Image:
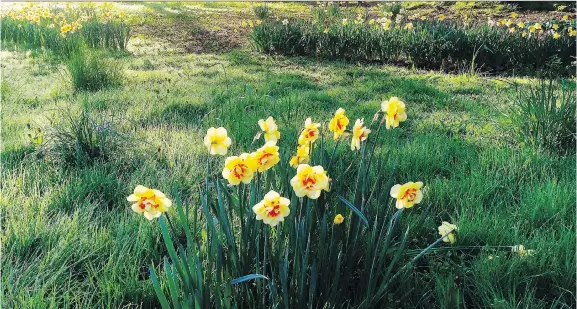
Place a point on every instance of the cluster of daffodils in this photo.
(69, 19)
(250, 23)
(536, 29)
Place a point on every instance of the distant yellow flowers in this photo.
(310, 181)
(441, 17)
(217, 141)
(360, 134)
(149, 202)
(339, 219)
(407, 194)
(514, 15)
(270, 129)
(339, 123)
(448, 229)
(272, 209)
(310, 132)
(239, 169)
(395, 112)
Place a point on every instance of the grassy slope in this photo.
(69, 237)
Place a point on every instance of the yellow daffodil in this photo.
(532, 29)
(521, 251)
(272, 209)
(449, 229)
(512, 30)
(395, 110)
(360, 134)
(408, 26)
(65, 28)
(244, 24)
(565, 17)
(556, 35)
(326, 31)
(339, 219)
(423, 17)
(371, 22)
(508, 23)
(345, 21)
(569, 29)
(514, 15)
(310, 132)
(266, 156)
(239, 169)
(407, 194)
(270, 129)
(217, 141)
(250, 23)
(121, 14)
(572, 32)
(302, 156)
(521, 25)
(441, 17)
(310, 181)
(339, 123)
(152, 203)
(537, 26)
(258, 21)
(555, 26)
(524, 34)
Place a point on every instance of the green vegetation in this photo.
(70, 158)
(357, 36)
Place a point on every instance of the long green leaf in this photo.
(355, 209)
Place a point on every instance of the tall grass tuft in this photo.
(545, 115)
(80, 140)
(90, 71)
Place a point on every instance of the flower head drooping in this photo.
(266, 156)
(449, 229)
(310, 181)
(239, 169)
(395, 110)
(302, 156)
(339, 219)
(270, 129)
(521, 251)
(150, 202)
(310, 132)
(272, 209)
(408, 194)
(217, 141)
(339, 123)
(360, 134)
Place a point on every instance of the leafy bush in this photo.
(426, 44)
(90, 71)
(545, 116)
(80, 140)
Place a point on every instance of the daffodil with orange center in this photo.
(310, 132)
(217, 141)
(408, 194)
(395, 110)
(272, 209)
(302, 156)
(266, 156)
(360, 134)
(310, 181)
(150, 202)
(270, 129)
(239, 169)
(339, 123)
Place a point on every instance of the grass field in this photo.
(70, 239)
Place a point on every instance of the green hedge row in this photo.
(429, 45)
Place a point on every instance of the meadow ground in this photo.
(70, 240)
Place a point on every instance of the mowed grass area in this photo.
(70, 239)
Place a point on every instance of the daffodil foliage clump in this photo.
(509, 45)
(291, 231)
(63, 29)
